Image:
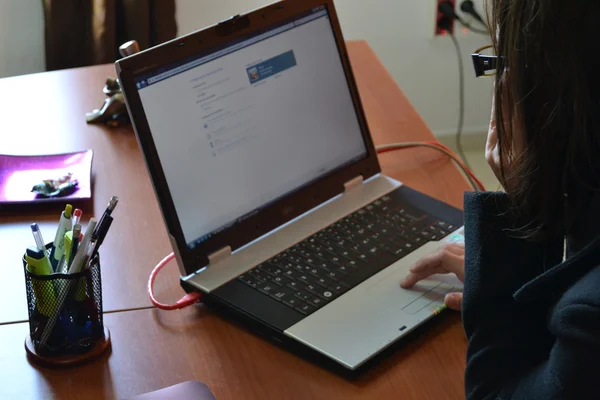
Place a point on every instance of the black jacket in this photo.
(532, 320)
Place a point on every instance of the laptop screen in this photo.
(243, 126)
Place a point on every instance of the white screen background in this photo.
(228, 147)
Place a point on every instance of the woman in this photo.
(531, 307)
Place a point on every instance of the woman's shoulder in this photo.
(584, 291)
(577, 311)
(576, 316)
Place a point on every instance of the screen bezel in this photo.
(283, 209)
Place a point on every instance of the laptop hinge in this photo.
(353, 184)
(219, 255)
(177, 255)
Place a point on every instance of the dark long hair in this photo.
(549, 88)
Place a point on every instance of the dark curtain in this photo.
(88, 32)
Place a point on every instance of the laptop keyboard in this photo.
(327, 264)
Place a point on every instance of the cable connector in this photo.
(468, 7)
(185, 301)
(447, 9)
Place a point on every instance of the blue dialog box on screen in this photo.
(272, 66)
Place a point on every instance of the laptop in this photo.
(262, 162)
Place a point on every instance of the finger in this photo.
(450, 258)
(453, 262)
(456, 248)
(432, 260)
(450, 263)
(414, 277)
(454, 301)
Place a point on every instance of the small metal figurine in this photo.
(114, 111)
(62, 186)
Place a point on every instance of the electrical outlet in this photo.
(441, 20)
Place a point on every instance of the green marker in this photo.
(64, 225)
(38, 264)
(65, 260)
(71, 247)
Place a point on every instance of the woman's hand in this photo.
(449, 259)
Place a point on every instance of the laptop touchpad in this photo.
(388, 282)
(354, 327)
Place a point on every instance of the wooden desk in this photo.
(153, 349)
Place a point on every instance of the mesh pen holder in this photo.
(65, 312)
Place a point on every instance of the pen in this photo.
(75, 244)
(77, 216)
(72, 239)
(102, 231)
(62, 264)
(107, 213)
(65, 224)
(37, 236)
(77, 263)
(55, 313)
(90, 251)
(102, 228)
(75, 267)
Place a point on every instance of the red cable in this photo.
(187, 300)
(440, 145)
(461, 162)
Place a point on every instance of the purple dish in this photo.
(18, 175)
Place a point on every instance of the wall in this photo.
(400, 32)
(21, 37)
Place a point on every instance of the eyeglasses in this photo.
(485, 64)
